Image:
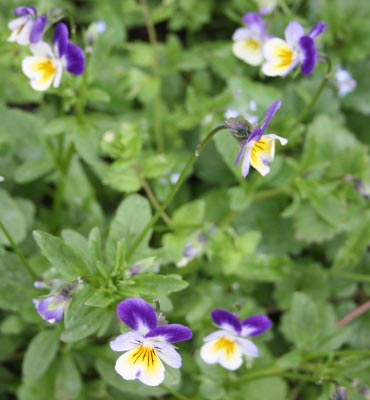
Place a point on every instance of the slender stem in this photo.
(315, 97)
(348, 275)
(174, 393)
(152, 198)
(17, 251)
(180, 181)
(156, 72)
(354, 314)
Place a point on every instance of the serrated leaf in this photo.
(157, 285)
(101, 298)
(39, 354)
(62, 257)
(130, 219)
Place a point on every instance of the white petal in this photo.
(41, 72)
(127, 341)
(248, 50)
(215, 335)
(42, 49)
(247, 347)
(263, 153)
(242, 34)
(247, 160)
(223, 351)
(58, 74)
(141, 363)
(167, 353)
(24, 34)
(282, 140)
(17, 23)
(280, 57)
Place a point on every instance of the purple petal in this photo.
(25, 11)
(224, 319)
(293, 33)
(137, 314)
(38, 28)
(51, 308)
(256, 135)
(75, 59)
(240, 155)
(61, 36)
(255, 326)
(309, 54)
(171, 333)
(317, 30)
(254, 22)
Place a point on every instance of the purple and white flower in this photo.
(147, 345)
(27, 27)
(297, 48)
(228, 345)
(46, 66)
(258, 149)
(248, 41)
(344, 81)
(52, 307)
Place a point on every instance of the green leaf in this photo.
(131, 217)
(62, 257)
(190, 213)
(94, 245)
(68, 383)
(12, 218)
(156, 165)
(302, 324)
(88, 323)
(123, 177)
(266, 388)
(39, 354)
(101, 298)
(353, 249)
(156, 285)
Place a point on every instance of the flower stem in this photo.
(156, 72)
(18, 251)
(315, 97)
(180, 181)
(354, 314)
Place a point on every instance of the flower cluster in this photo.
(150, 342)
(46, 65)
(278, 56)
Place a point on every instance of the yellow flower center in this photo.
(144, 355)
(46, 69)
(251, 44)
(286, 57)
(225, 344)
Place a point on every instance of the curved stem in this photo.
(315, 97)
(17, 251)
(180, 181)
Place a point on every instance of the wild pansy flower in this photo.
(297, 48)
(27, 27)
(248, 41)
(228, 345)
(344, 82)
(45, 67)
(52, 307)
(148, 344)
(257, 149)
